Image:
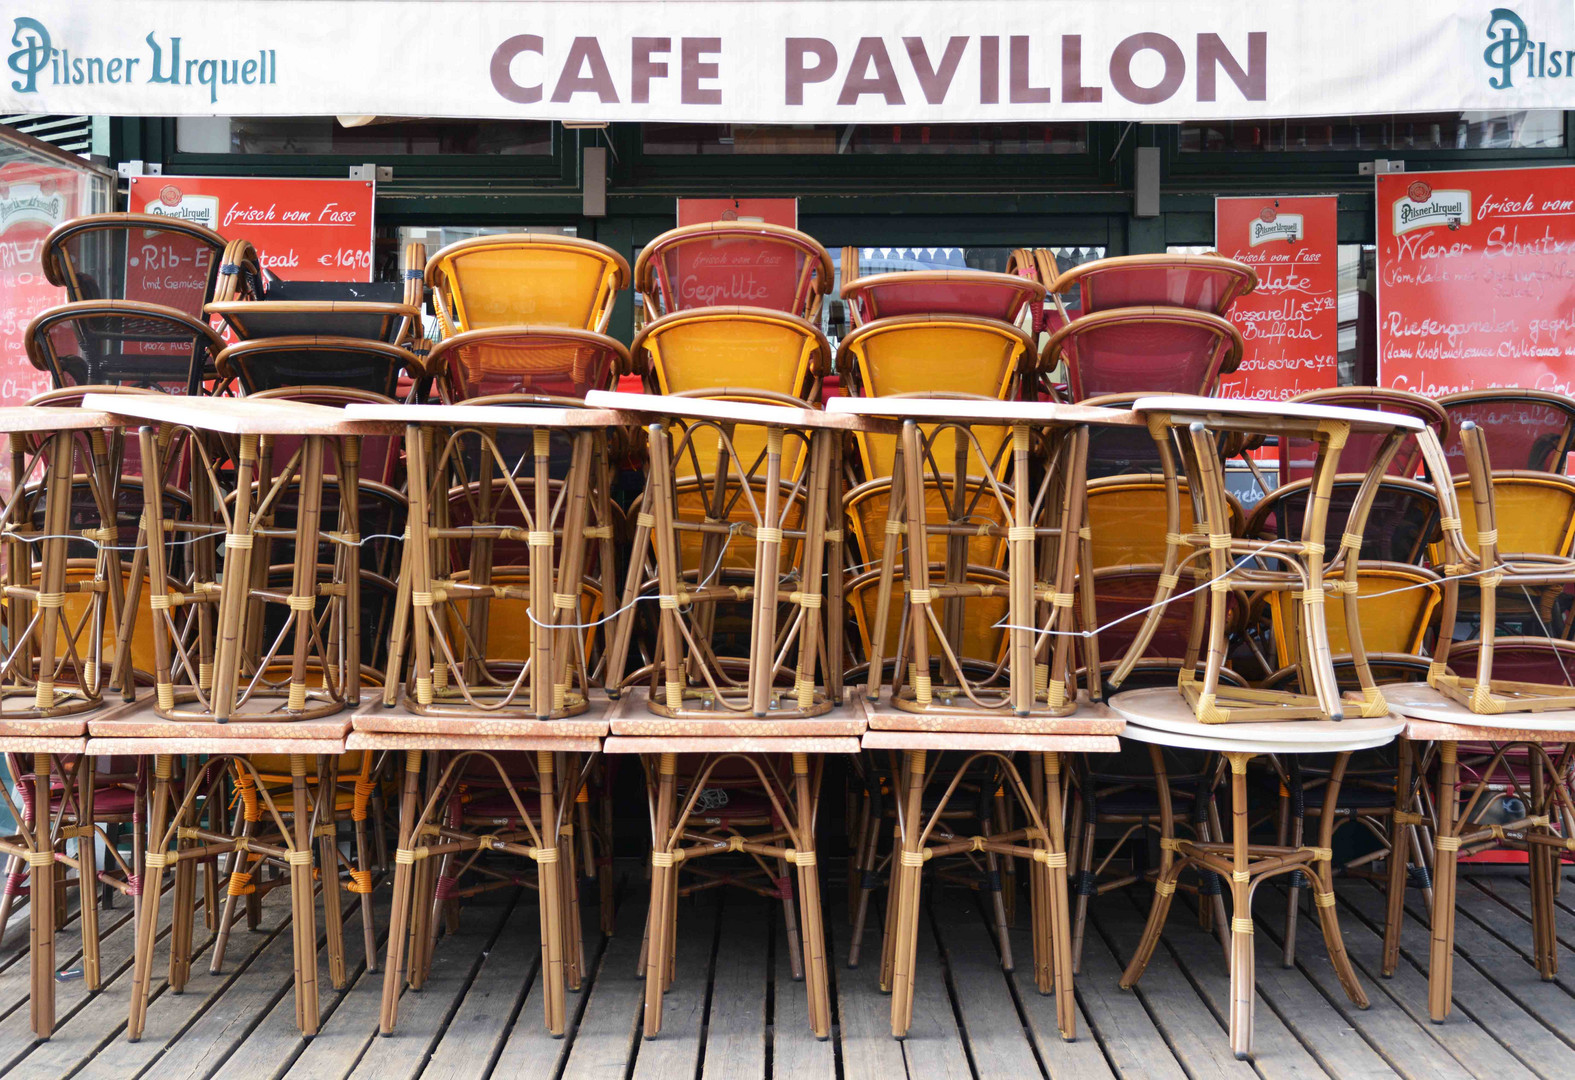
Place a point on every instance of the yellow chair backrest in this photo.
(983, 642)
(738, 550)
(1535, 512)
(79, 571)
(539, 279)
(738, 348)
(509, 624)
(1126, 515)
(1394, 614)
(699, 454)
(947, 354)
(867, 506)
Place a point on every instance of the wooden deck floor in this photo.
(734, 1013)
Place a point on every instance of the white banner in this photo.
(781, 61)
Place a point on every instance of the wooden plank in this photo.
(475, 1035)
(1501, 1031)
(608, 1032)
(86, 1039)
(735, 1045)
(868, 1050)
(1279, 1033)
(676, 1051)
(990, 1021)
(255, 1013)
(273, 1046)
(1514, 894)
(16, 975)
(1126, 1033)
(1406, 1046)
(933, 1049)
(115, 954)
(1194, 1034)
(422, 1017)
(795, 1052)
(530, 1050)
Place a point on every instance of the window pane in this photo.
(1523, 130)
(736, 139)
(326, 135)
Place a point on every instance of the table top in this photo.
(927, 407)
(740, 412)
(701, 744)
(1090, 719)
(1433, 716)
(238, 416)
(982, 741)
(516, 416)
(1272, 415)
(42, 418)
(1161, 715)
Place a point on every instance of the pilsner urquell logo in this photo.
(1270, 224)
(1421, 207)
(1510, 43)
(37, 60)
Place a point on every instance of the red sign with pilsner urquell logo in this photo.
(1476, 280)
(306, 230)
(1291, 321)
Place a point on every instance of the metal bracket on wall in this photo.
(138, 167)
(371, 171)
(1380, 167)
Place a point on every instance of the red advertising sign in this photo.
(34, 198)
(1476, 279)
(771, 211)
(309, 230)
(1291, 321)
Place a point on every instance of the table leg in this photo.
(1440, 971)
(1242, 978)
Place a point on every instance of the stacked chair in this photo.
(259, 587)
(733, 538)
(510, 555)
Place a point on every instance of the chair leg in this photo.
(1086, 888)
(41, 913)
(1242, 977)
(399, 912)
(907, 866)
(87, 872)
(153, 887)
(790, 922)
(816, 979)
(863, 871)
(1060, 924)
(1400, 836)
(550, 898)
(184, 914)
(1164, 885)
(1440, 968)
(328, 867)
(1322, 879)
(303, 907)
(664, 875)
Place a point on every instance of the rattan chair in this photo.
(525, 279)
(1296, 456)
(1163, 349)
(123, 343)
(1528, 549)
(1199, 282)
(733, 262)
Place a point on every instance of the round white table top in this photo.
(1161, 715)
(1418, 701)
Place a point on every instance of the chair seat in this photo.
(741, 807)
(1140, 801)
